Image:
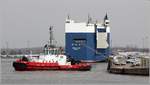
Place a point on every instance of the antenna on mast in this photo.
(68, 16)
(89, 19)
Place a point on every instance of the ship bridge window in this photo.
(101, 30)
(67, 21)
(61, 56)
(107, 22)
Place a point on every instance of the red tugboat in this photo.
(51, 61)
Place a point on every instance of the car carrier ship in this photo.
(87, 41)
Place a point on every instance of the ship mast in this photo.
(51, 36)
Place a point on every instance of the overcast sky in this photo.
(25, 21)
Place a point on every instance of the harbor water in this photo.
(97, 75)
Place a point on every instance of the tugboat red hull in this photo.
(31, 66)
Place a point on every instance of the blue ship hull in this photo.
(82, 47)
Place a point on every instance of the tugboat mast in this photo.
(51, 36)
